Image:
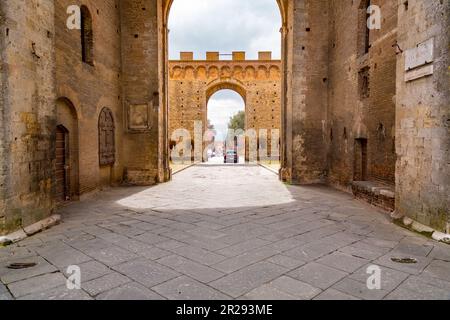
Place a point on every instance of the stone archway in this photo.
(258, 82)
(219, 85)
(285, 6)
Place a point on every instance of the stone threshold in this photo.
(31, 230)
(377, 194)
(175, 171)
(269, 168)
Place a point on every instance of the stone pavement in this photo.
(219, 232)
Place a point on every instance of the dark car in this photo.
(231, 156)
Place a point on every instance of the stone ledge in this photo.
(420, 228)
(30, 230)
(377, 194)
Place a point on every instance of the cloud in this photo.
(225, 26)
(221, 107)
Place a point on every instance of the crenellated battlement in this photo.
(237, 68)
(216, 56)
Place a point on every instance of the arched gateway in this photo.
(193, 82)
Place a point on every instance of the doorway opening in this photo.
(67, 152)
(360, 160)
(209, 46)
(62, 193)
(226, 127)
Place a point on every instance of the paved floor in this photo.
(218, 232)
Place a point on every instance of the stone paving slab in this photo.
(146, 272)
(343, 262)
(334, 295)
(37, 284)
(90, 270)
(8, 276)
(209, 234)
(58, 294)
(284, 288)
(239, 262)
(185, 288)
(318, 275)
(4, 293)
(190, 268)
(104, 283)
(244, 280)
(130, 291)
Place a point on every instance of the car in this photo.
(231, 156)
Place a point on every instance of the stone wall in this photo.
(306, 103)
(352, 115)
(27, 111)
(140, 85)
(192, 83)
(423, 115)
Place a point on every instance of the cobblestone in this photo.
(211, 234)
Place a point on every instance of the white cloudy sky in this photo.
(221, 107)
(224, 26)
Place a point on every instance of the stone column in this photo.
(142, 95)
(305, 95)
(165, 173)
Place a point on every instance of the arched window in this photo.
(87, 36)
(107, 145)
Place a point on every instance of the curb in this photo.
(185, 168)
(415, 226)
(30, 230)
(269, 168)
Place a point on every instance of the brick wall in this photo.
(307, 87)
(351, 115)
(91, 88)
(140, 85)
(192, 83)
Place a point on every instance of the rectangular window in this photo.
(364, 83)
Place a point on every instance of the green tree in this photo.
(237, 121)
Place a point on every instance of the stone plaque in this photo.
(419, 73)
(138, 117)
(421, 55)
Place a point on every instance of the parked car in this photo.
(231, 156)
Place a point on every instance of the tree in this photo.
(237, 122)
